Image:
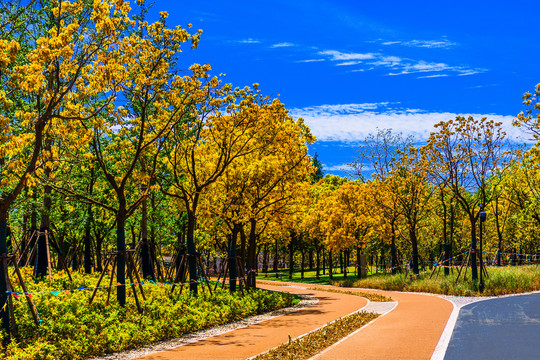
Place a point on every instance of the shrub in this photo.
(72, 329)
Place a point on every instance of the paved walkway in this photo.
(255, 339)
(410, 331)
(497, 328)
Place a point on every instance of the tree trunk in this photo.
(33, 228)
(276, 258)
(146, 261)
(291, 254)
(323, 261)
(318, 262)
(474, 268)
(265, 259)
(75, 259)
(302, 264)
(121, 259)
(252, 265)
(24, 244)
(393, 251)
(330, 266)
(99, 251)
(191, 252)
(233, 273)
(358, 263)
(499, 232)
(414, 243)
(42, 263)
(88, 242)
(4, 310)
(87, 236)
(155, 266)
(243, 252)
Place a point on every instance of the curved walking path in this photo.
(255, 339)
(411, 330)
(497, 328)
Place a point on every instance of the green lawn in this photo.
(309, 276)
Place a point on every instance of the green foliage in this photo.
(72, 329)
(318, 174)
(311, 344)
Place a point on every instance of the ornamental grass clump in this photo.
(500, 281)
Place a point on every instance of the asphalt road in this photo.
(501, 328)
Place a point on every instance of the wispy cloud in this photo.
(378, 60)
(310, 60)
(391, 42)
(432, 76)
(466, 72)
(282, 44)
(396, 65)
(343, 56)
(482, 86)
(341, 167)
(249, 41)
(411, 67)
(353, 122)
(443, 43)
(348, 63)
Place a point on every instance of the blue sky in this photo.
(350, 67)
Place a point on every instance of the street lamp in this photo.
(482, 216)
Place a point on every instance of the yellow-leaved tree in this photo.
(46, 83)
(222, 126)
(463, 154)
(147, 101)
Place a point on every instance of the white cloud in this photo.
(249, 41)
(353, 122)
(283, 44)
(342, 167)
(432, 76)
(412, 67)
(342, 56)
(397, 65)
(310, 60)
(423, 43)
(348, 63)
(482, 86)
(466, 72)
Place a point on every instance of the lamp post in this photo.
(482, 216)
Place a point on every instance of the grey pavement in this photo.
(498, 328)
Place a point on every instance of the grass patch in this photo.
(72, 329)
(309, 276)
(318, 340)
(501, 281)
(369, 296)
